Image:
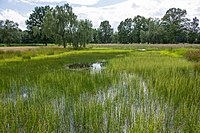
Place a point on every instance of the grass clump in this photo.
(193, 55)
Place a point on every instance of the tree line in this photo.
(60, 25)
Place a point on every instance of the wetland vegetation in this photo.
(151, 90)
(101, 81)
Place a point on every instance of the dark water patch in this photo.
(78, 65)
(95, 67)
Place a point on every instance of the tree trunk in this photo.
(64, 44)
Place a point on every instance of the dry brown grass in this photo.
(25, 48)
(150, 45)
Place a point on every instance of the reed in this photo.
(137, 92)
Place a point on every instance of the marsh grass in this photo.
(151, 47)
(34, 52)
(173, 82)
(137, 92)
(193, 55)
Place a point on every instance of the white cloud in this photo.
(14, 16)
(114, 13)
(80, 2)
(130, 8)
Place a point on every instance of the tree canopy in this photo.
(61, 25)
(9, 32)
(105, 32)
(34, 24)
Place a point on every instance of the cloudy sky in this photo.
(98, 10)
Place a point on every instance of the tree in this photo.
(115, 37)
(25, 37)
(140, 23)
(35, 22)
(129, 30)
(193, 30)
(125, 30)
(105, 32)
(1, 31)
(155, 32)
(64, 24)
(84, 32)
(95, 36)
(47, 26)
(9, 32)
(173, 21)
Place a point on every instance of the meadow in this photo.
(142, 88)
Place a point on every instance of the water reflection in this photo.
(93, 67)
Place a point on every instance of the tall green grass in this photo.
(138, 92)
(173, 83)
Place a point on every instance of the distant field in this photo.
(21, 44)
(160, 46)
(25, 48)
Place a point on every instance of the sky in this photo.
(97, 11)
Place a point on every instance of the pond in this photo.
(93, 67)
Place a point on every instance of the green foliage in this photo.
(154, 34)
(140, 23)
(173, 22)
(84, 33)
(132, 30)
(125, 30)
(105, 32)
(64, 24)
(172, 28)
(60, 25)
(95, 37)
(115, 37)
(9, 32)
(35, 25)
(193, 31)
